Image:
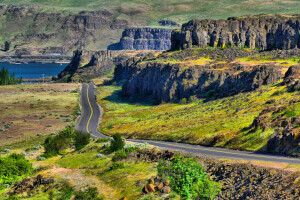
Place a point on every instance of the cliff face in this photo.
(262, 31)
(86, 65)
(172, 82)
(146, 38)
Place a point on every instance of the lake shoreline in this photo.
(24, 59)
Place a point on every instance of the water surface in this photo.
(34, 70)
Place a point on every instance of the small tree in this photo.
(117, 143)
(81, 139)
(54, 144)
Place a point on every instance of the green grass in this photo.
(219, 122)
(123, 181)
(171, 9)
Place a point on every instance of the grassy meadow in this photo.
(28, 112)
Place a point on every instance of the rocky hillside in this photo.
(265, 32)
(146, 38)
(196, 75)
(86, 65)
(29, 30)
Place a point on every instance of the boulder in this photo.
(149, 188)
(166, 190)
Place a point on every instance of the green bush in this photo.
(13, 166)
(89, 194)
(117, 143)
(117, 165)
(119, 155)
(206, 189)
(66, 192)
(81, 139)
(54, 144)
(188, 178)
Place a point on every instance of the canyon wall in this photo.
(172, 82)
(146, 38)
(265, 32)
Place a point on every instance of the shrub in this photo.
(117, 143)
(206, 189)
(187, 177)
(54, 144)
(117, 165)
(66, 191)
(89, 194)
(119, 155)
(13, 166)
(81, 139)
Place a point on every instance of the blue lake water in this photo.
(34, 70)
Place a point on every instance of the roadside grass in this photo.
(38, 109)
(219, 122)
(86, 167)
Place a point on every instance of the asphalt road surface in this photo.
(92, 116)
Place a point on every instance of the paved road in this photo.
(92, 114)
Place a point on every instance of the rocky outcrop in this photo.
(172, 82)
(29, 184)
(264, 32)
(146, 38)
(292, 78)
(241, 180)
(286, 137)
(86, 65)
(168, 23)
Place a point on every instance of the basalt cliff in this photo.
(182, 75)
(146, 38)
(265, 32)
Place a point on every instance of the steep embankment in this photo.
(86, 65)
(265, 32)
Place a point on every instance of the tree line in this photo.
(5, 79)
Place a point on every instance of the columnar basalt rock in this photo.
(172, 82)
(264, 32)
(146, 38)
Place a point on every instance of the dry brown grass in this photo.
(49, 102)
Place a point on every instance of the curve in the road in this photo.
(92, 114)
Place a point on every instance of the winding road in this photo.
(92, 116)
